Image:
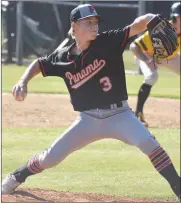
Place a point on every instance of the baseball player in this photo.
(143, 50)
(91, 68)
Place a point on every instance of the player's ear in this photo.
(73, 29)
(73, 26)
(71, 33)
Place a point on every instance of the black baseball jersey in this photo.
(96, 77)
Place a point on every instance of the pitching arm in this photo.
(19, 91)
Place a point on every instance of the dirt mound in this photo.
(37, 195)
(40, 110)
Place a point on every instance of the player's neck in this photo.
(81, 46)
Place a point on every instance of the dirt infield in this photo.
(40, 110)
(37, 195)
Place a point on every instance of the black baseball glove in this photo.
(163, 37)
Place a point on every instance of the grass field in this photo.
(168, 84)
(112, 167)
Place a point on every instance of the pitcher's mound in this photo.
(39, 195)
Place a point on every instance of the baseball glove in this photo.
(163, 37)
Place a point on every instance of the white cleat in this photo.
(9, 184)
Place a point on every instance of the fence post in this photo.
(19, 33)
(142, 8)
(141, 11)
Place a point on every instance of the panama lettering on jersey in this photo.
(78, 79)
(93, 72)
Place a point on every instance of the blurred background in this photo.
(34, 28)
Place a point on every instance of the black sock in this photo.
(143, 94)
(170, 174)
(31, 168)
(22, 173)
(163, 164)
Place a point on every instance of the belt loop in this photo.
(114, 106)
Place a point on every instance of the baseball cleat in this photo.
(141, 117)
(9, 184)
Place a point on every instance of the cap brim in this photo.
(97, 16)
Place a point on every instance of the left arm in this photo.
(140, 24)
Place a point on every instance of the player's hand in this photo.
(151, 64)
(19, 91)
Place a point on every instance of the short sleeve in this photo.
(117, 38)
(49, 65)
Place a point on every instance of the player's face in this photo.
(177, 25)
(87, 28)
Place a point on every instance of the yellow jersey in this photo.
(145, 44)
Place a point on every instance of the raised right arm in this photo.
(140, 24)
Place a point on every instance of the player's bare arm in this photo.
(141, 56)
(32, 70)
(140, 24)
(19, 91)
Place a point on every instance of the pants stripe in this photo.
(164, 165)
(154, 153)
(160, 159)
(34, 165)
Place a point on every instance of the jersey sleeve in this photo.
(49, 66)
(117, 38)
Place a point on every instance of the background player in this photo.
(90, 68)
(143, 50)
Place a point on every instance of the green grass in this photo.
(107, 166)
(168, 84)
(12, 73)
(168, 87)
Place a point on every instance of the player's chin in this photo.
(93, 36)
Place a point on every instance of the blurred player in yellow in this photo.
(143, 52)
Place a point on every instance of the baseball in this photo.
(21, 95)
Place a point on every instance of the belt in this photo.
(113, 106)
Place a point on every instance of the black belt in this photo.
(112, 106)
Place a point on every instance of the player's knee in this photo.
(149, 145)
(47, 160)
(53, 156)
(152, 78)
(132, 47)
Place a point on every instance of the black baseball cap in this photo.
(83, 11)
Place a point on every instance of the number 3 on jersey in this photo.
(106, 84)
